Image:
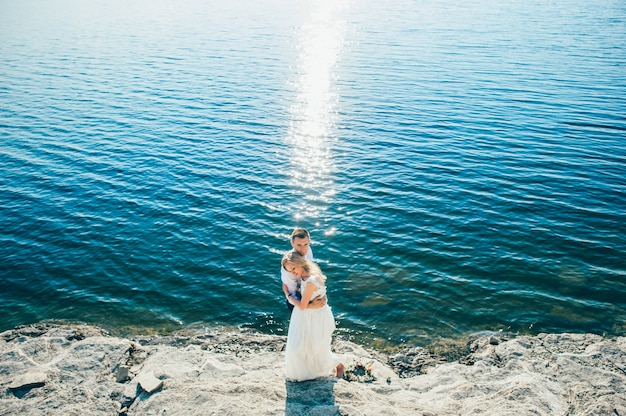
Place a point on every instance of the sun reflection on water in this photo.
(313, 116)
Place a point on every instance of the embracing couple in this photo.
(308, 354)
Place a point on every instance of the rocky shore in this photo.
(50, 369)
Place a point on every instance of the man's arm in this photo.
(287, 294)
(318, 302)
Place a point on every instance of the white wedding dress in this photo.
(308, 355)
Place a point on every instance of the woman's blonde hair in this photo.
(299, 260)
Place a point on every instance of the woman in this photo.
(308, 355)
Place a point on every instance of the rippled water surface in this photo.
(460, 165)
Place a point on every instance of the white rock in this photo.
(149, 382)
(31, 379)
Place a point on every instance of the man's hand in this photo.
(318, 302)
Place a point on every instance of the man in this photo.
(301, 243)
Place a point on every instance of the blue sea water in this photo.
(460, 165)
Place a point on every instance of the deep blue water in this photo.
(460, 165)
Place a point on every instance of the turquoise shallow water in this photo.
(461, 167)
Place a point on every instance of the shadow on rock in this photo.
(314, 397)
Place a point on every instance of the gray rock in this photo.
(130, 393)
(242, 373)
(122, 373)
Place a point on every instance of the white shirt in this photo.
(289, 279)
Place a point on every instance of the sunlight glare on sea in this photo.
(313, 117)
